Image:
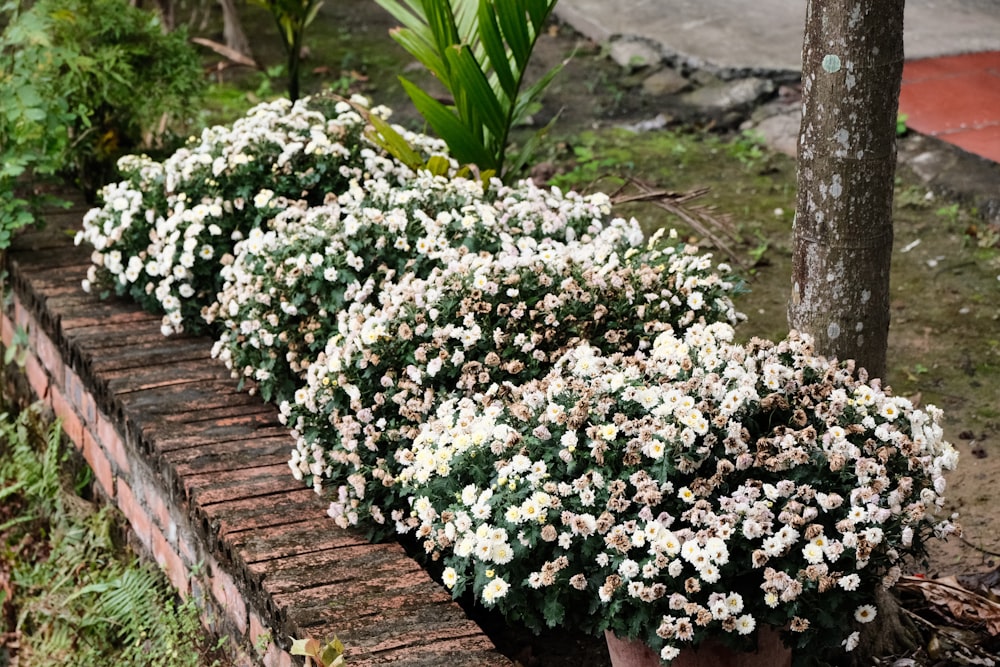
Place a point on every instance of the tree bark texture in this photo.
(232, 28)
(852, 64)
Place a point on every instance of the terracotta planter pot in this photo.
(771, 652)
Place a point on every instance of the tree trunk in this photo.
(852, 63)
(232, 30)
(852, 67)
(165, 9)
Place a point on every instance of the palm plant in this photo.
(479, 51)
(292, 18)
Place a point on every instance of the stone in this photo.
(730, 95)
(633, 54)
(666, 81)
(780, 132)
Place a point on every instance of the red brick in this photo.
(228, 596)
(135, 513)
(71, 424)
(49, 355)
(113, 444)
(275, 657)
(259, 632)
(99, 463)
(37, 377)
(21, 316)
(189, 549)
(78, 395)
(170, 561)
(6, 330)
(159, 510)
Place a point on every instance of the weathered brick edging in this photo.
(199, 469)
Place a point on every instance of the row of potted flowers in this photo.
(551, 403)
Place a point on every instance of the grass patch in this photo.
(71, 592)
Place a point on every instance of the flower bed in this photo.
(553, 404)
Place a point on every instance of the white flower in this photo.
(449, 577)
(496, 589)
(628, 568)
(851, 642)
(813, 553)
(865, 613)
(745, 624)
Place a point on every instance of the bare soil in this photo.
(945, 338)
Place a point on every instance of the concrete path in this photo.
(765, 36)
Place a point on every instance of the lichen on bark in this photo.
(852, 61)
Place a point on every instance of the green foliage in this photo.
(479, 52)
(81, 83)
(592, 165)
(950, 213)
(77, 599)
(292, 18)
(749, 148)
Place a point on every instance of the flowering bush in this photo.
(163, 233)
(286, 285)
(478, 321)
(694, 491)
(552, 405)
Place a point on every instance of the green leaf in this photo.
(496, 50)
(441, 21)
(392, 141)
(464, 145)
(528, 97)
(420, 47)
(510, 15)
(475, 98)
(438, 165)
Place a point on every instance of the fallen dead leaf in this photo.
(963, 605)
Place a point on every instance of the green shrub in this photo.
(82, 83)
(78, 598)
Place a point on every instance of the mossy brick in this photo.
(217, 432)
(78, 395)
(275, 657)
(159, 509)
(169, 560)
(72, 425)
(228, 595)
(152, 354)
(260, 514)
(22, 318)
(113, 443)
(171, 371)
(232, 455)
(37, 376)
(98, 461)
(296, 538)
(49, 355)
(136, 514)
(6, 330)
(235, 484)
(189, 548)
(260, 636)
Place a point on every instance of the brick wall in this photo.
(199, 470)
